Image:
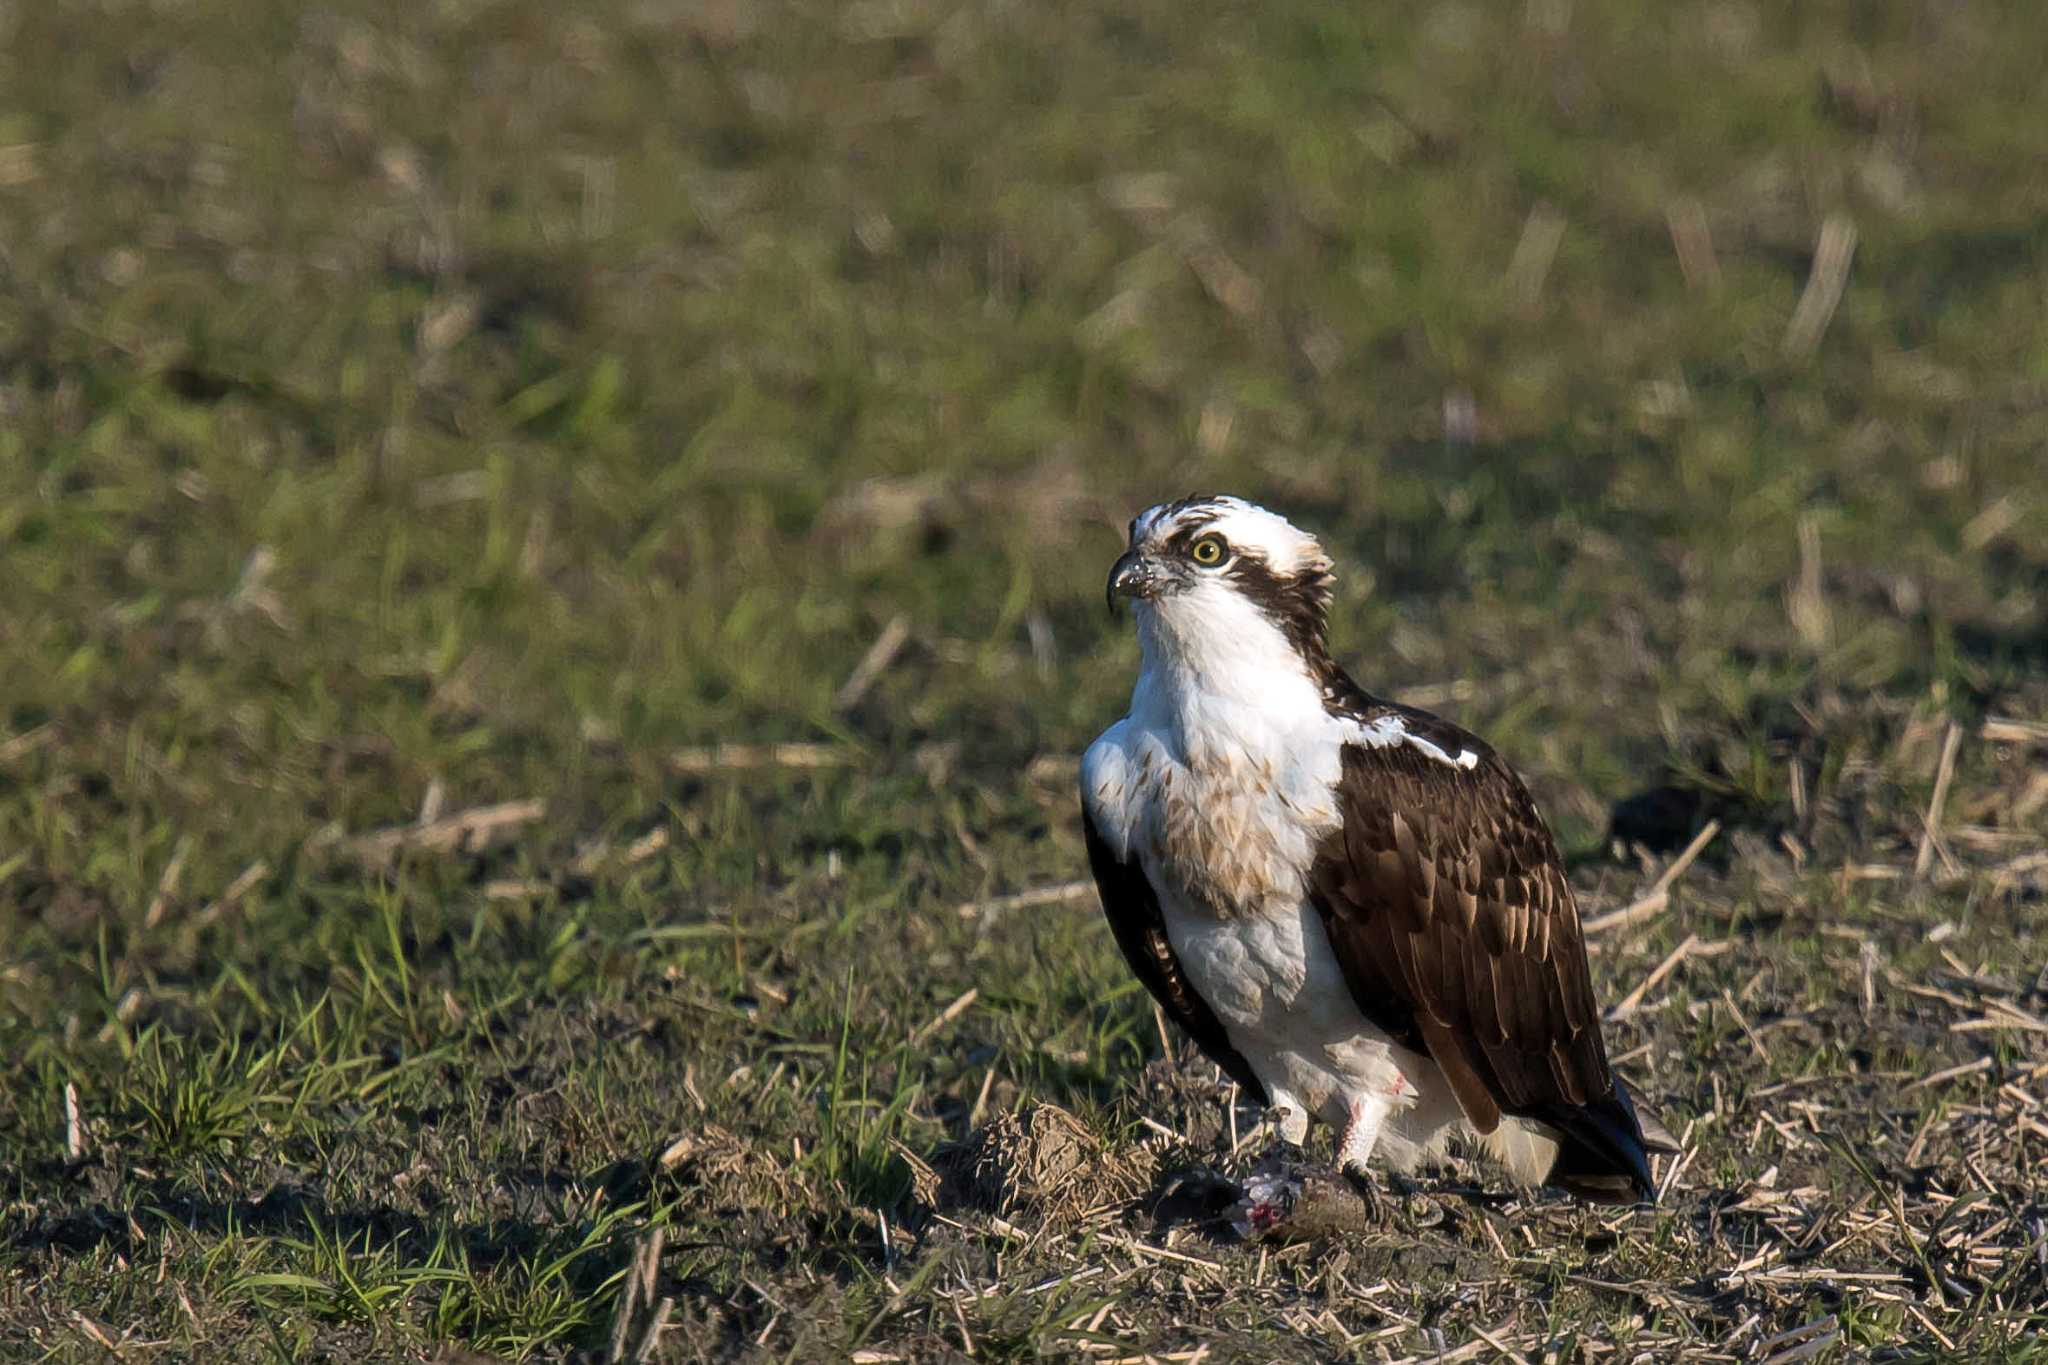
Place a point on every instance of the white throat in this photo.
(1216, 674)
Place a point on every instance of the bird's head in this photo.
(1220, 582)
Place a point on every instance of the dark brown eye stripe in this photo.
(1299, 603)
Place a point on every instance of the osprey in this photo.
(1351, 905)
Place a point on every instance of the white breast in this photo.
(1233, 824)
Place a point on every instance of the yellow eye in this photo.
(1208, 551)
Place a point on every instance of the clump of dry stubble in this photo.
(1043, 1163)
(730, 1172)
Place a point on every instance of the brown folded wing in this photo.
(1450, 914)
(1132, 907)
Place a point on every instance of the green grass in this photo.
(514, 401)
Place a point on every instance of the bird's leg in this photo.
(1362, 1130)
(1354, 1147)
(1399, 1198)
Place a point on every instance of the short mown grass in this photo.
(457, 464)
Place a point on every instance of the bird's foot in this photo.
(1401, 1203)
(1368, 1191)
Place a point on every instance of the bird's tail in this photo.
(1603, 1148)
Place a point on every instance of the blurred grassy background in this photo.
(470, 403)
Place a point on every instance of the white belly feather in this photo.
(1275, 984)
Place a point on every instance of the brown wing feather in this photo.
(1450, 914)
(1132, 908)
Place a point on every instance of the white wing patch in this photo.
(1388, 731)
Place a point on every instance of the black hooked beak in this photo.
(1133, 575)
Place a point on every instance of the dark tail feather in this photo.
(1602, 1153)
